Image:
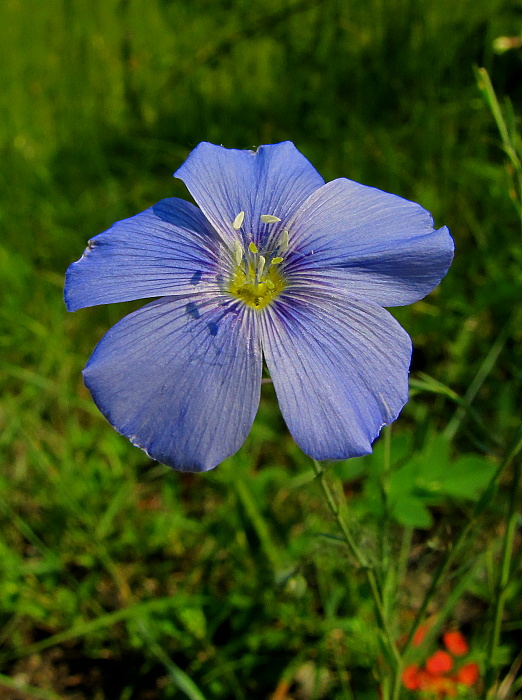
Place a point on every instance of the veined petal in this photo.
(274, 180)
(340, 371)
(180, 378)
(167, 249)
(376, 245)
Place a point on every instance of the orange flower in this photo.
(468, 674)
(419, 635)
(410, 677)
(437, 686)
(455, 643)
(433, 680)
(439, 662)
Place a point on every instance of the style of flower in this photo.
(275, 265)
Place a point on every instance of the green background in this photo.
(221, 585)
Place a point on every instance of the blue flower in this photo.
(275, 265)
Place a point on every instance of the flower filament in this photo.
(256, 278)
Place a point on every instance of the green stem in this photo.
(508, 143)
(484, 369)
(258, 522)
(371, 578)
(503, 579)
(386, 570)
(487, 89)
(515, 447)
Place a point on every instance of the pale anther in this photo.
(252, 247)
(260, 265)
(238, 252)
(238, 221)
(269, 218)
(283, 244)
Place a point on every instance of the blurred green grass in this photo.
(100, 103)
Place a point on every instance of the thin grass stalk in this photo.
(511, 453)
(503, 579)
(369, 573)
(486, 87)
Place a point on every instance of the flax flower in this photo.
(275, 265)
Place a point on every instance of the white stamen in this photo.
(283, 243)
(238, 253)
(269, 218)
(238, 221)
(261, 265)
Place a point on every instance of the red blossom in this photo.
(455, 643)
(419, 635)
(433, 680)
(435, 685)
(410, 677)
(468, 674)
(439, 662)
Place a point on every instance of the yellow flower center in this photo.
(256, 290)
(256, 279)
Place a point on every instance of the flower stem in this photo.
(337, 511)
(504, 576)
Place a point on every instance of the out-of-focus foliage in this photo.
(122, 579)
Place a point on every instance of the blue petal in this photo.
(375, 245)
(167, 249)
(340, 370)
(276, 179)
(180, 378)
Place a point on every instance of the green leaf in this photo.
(194, 620)
(468, 477)
(410, 511)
